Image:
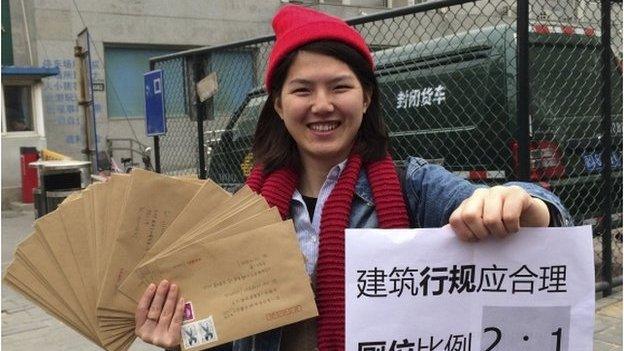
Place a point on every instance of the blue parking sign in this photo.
(155, 122)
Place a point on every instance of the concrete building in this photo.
(44, 34)
(124, 35)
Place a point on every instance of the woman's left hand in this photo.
(498, 211)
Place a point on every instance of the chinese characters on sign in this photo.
(426, 290)
(421, 97)
(408, 281)
(453, 342)
(61, 98)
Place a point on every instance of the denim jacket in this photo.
(432, 194)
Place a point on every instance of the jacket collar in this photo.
(363, 188)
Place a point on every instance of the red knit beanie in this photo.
(295, 26)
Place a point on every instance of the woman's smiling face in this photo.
(322, 104)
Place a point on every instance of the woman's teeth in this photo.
(323, 127)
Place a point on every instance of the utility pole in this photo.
(82, 52)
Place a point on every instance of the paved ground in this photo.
(608, 327)
(26, 327)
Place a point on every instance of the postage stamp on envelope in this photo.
(189, 314)
(199, 333)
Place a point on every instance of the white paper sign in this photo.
(207, 87)
(425, 290)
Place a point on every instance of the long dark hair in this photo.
(274, 148)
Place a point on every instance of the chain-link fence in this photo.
(566, 102)
(451, 92)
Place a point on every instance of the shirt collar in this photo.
(336, 171)
(333, 175)
(362, 187)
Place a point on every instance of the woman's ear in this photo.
(367, 99)
(277, 106)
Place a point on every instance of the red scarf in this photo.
(278, 187)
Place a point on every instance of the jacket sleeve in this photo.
(433, 193)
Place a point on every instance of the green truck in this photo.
(452, 101)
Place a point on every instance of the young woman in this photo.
(321, 152)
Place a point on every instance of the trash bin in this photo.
(29, 175)
(57, 180)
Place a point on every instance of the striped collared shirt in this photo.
(308, 230)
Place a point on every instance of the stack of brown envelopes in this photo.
(237, 263)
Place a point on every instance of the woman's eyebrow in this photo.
(333, 80)
(341, 78)
(299, 81)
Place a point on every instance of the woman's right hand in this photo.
(158, 318)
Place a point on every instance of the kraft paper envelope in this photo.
(135, 287)
(89, 228)
(239, 200)
(121, 320)
(31, 253)
(250, 208)
(191, 179)
(226, 228)
(51, 230)
(75, 224)
(80, 293)
(112, 320)
(48, 304)
(74, 262)
(242, 196)
(55, 283)
(238, 286)
(207, 200)
(100, 201)
(244, 203)
(222, 227)
(152, 202)
(118, 184)
(70, 197)
(31, 285)
(22, 280)
(79, 245)
(265, 218)
(78, 300)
